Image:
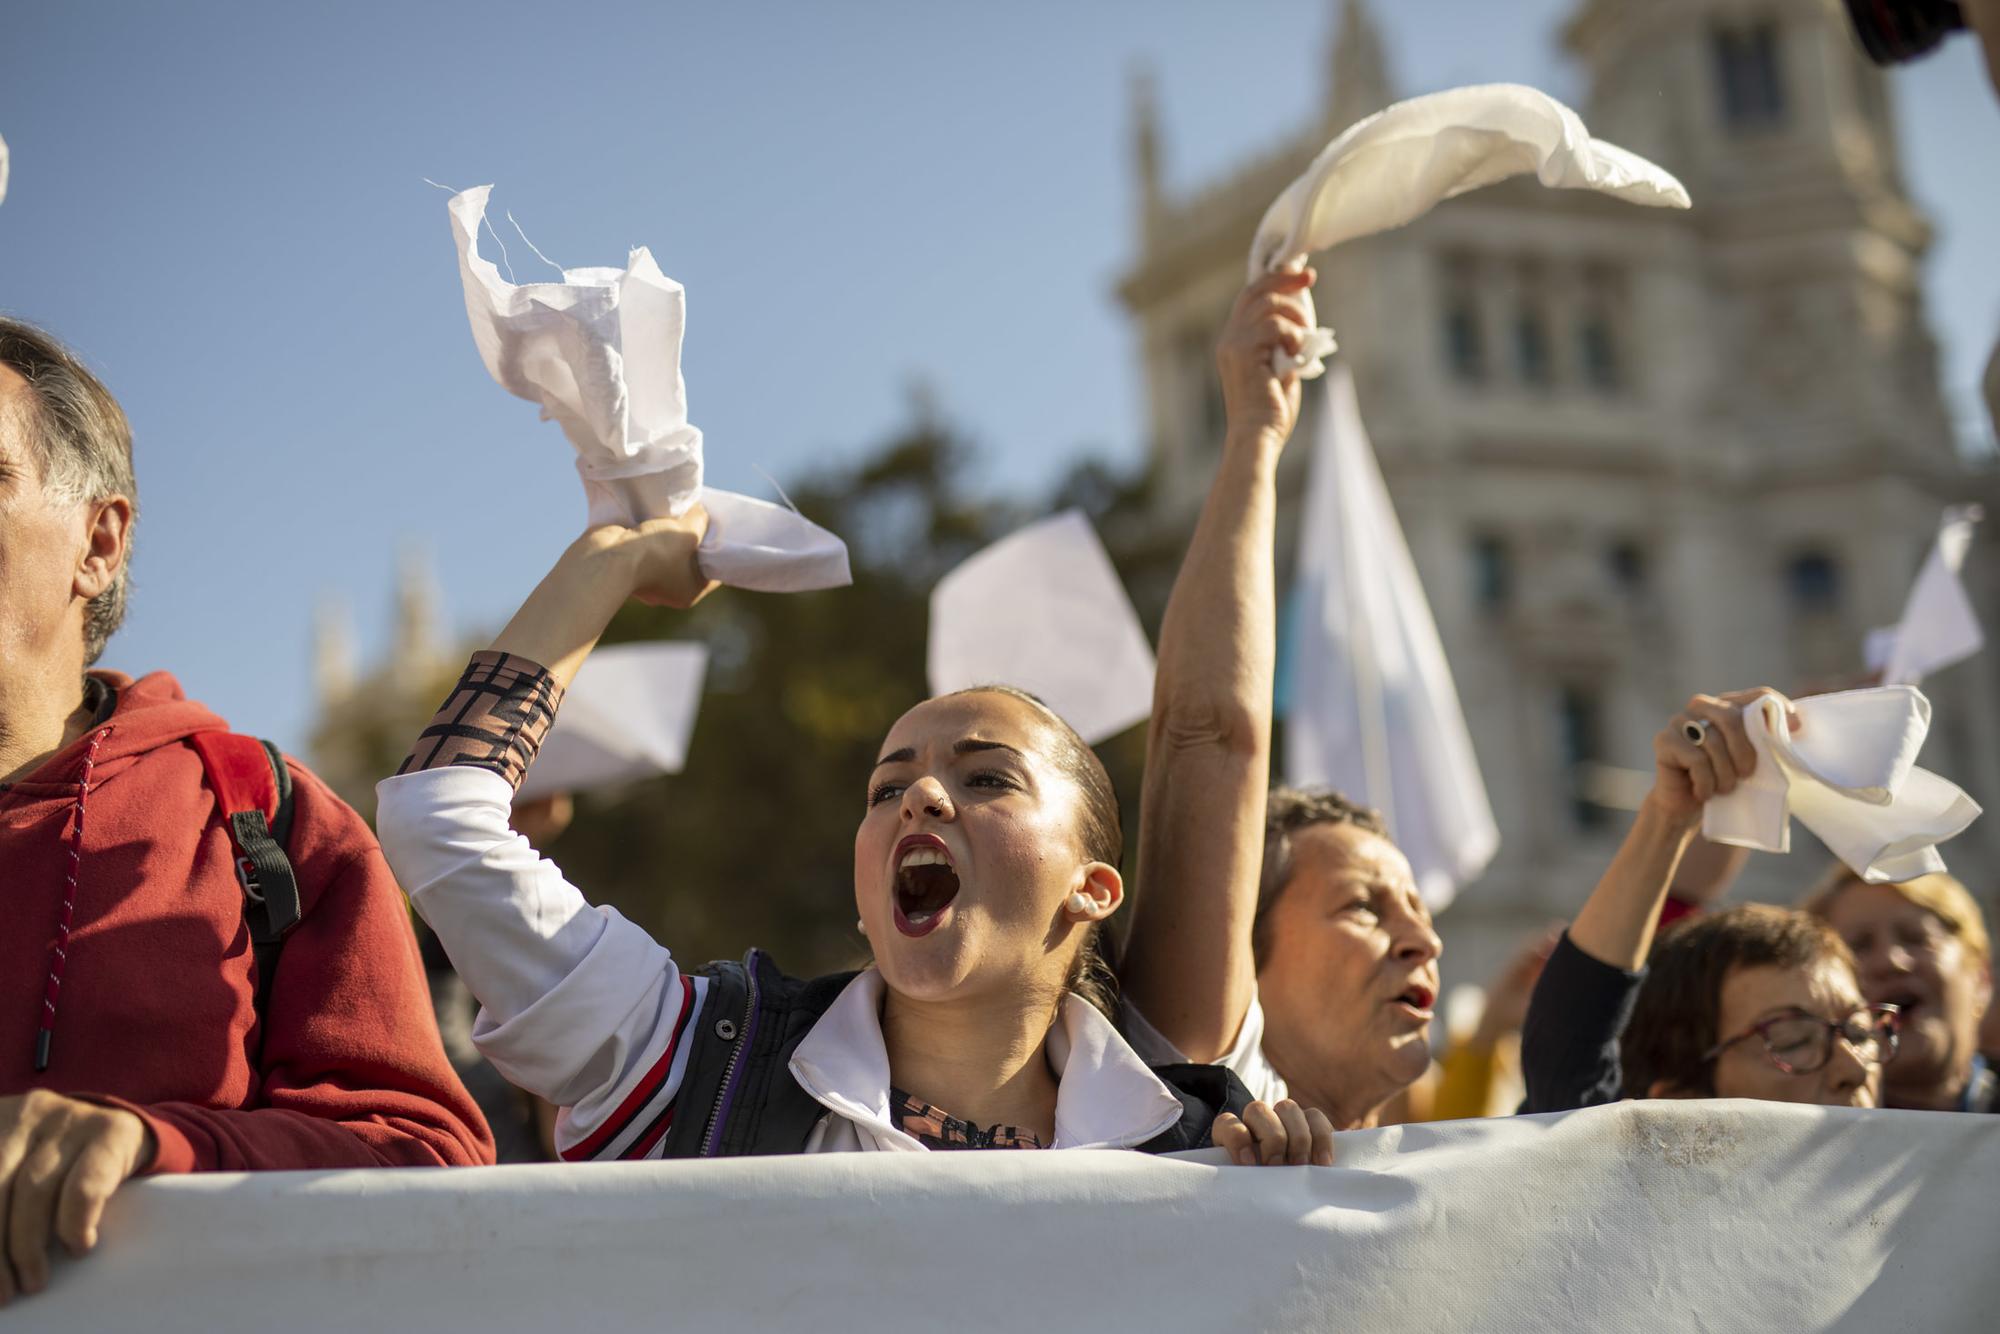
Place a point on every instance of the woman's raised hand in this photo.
(1687, 772)
(1271, 1135)
(655, 562)
(1269, 315)
(657, 559)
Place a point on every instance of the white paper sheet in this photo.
(1391, 168)
(627, 715)
(600, 351)
(1850, 775)
(1373, 708)
(1938, 626)
(1042, 609)
(1657, 1216)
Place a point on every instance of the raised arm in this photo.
(1201, 828)
(577, 1004)
(1569, 1044)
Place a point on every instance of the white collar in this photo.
(1106, 1098)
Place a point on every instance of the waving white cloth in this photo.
(601, 352)
(1373, 710)
(1939, 626)
(627, 715)
(1849, 774)
(3, 170)
(1391, 168)
(1042, 609)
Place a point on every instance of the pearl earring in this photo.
(861, 926)
(1079, 904)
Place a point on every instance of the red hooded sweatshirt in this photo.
(156, 1005)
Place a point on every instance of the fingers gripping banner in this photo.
(1685, 1215)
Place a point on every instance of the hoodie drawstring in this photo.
(59, 954)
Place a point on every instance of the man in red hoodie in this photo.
(131, 1037)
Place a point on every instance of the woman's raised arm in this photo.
(577, 1004)
(1188, 966)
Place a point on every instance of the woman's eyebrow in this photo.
(965, 747)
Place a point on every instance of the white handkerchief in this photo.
(1042, 609)
(3, 170)
(601, 352)
(1939, 626)
(627, 715)
(1391, 168)
(1849, 774)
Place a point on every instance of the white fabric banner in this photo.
(1373, 709)
(1679, 1216)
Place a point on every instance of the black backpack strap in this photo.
(253, 789)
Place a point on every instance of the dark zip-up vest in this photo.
(738, 1096)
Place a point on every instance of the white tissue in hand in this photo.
(1042, 609)
(1391, 168)
(1850, 775)
(600, 351)
(627, 715)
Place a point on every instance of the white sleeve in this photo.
(577, 1004)
(1245, 1057)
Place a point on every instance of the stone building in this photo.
(1636, 452)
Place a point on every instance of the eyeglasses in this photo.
(1799, 1044)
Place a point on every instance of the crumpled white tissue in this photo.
(1042, 609)
(1391, 168)
(600, 351)
(627, 715)
(1849, 774)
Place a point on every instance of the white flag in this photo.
(1939, 626)
(1373, 711)
(1042, 609)
(628, 715)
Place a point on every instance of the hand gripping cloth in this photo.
(601, 352)
(1393, 167)
(1849, 774)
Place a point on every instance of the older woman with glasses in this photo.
(1755, 1002)
(1921, 946)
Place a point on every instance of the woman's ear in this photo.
(107, 543)
(1099, 894)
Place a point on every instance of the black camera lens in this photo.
(1893, 31)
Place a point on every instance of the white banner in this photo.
(1686, 1216)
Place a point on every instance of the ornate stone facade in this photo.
(1637, 453)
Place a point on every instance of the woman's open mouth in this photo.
(926, 883)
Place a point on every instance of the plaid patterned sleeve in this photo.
(495, 717)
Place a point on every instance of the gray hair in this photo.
(1287, 811)
(82, 442)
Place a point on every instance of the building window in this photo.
(1812, 580)
(1492, 572)
(1626, 562)
(1597, 351)
(1578, 727)
(1465, 349)
(1531, 347)
(1750, 77)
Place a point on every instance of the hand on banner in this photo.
(60, 1161)
(1687, 771)
(1270, 1136)
(1270, 314)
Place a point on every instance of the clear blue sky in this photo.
(222, 205)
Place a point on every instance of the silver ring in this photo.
(1696, 730)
